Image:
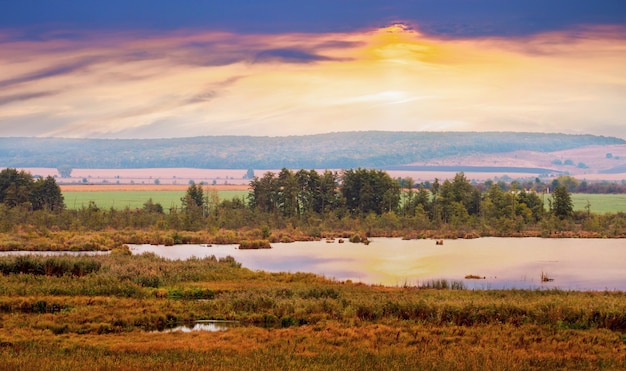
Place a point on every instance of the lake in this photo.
(502, 263)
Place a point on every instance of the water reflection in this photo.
(211, 326)
(573, 264)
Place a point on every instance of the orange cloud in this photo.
(394, 78)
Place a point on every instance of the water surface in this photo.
(209, 325)
(573, 264)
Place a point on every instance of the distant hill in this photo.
(379, 149)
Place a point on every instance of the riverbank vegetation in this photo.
(106, 318)
(305, 205)
(302, 205)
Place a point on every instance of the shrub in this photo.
(254, 244)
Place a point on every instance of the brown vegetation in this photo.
(254, 245)
(106, 320)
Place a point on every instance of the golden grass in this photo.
(106, 319)
(329, 346)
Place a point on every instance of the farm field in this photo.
(600, 203)
(119, 197)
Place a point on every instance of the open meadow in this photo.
(169, 196)
(600, 203)
(134, 196)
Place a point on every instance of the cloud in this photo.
(202, 97)
(7, 99)
(58, 70)
(288, 56)
(186, 83)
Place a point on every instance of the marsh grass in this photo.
(442, 284)
(79, 266)
(545, 277)
(104, 319)
(254, 244)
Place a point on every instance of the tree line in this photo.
(311, 203)
(19, 188)
(359, 192)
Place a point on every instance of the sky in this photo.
(166, 68)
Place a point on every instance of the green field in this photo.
(600, 203)
(135, 199)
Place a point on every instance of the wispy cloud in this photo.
(288, 56)
(58, 70)
(184, 83)
(6, 99)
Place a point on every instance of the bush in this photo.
(254, 244)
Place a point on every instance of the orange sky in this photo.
(184, 83)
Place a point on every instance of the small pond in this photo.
(501, 263)
(211, 326)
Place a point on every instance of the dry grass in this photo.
(328, 346)
(104, 320)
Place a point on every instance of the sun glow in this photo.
(398, 44)
(392, 78)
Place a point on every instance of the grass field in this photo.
(608, 203)
(135, 199)
(121, 197)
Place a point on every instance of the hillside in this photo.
(333, 150)
(595, 159)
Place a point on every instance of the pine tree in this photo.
(562, 205)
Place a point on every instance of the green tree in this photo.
(328, 192)
(263, 194)
(152, 207)
(569, 182)
(249, 174)
(288, 188)
(309, 192)
(458, 199)
(408, 205)
(562, 205)
(46, 194)
(368, 191)
(15, 187)
(65, 171)
(502, 204)
(194, 197)
(533, 202)
(194, 208)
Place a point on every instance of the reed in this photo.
(104, 320)
(254, 245)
